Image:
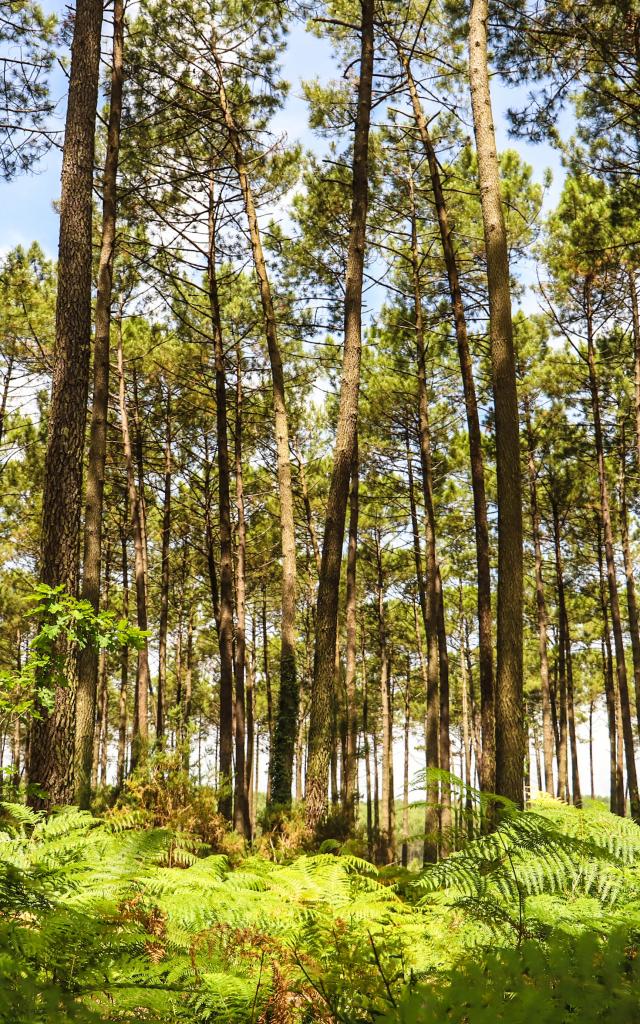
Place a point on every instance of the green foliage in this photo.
(65, 622)
(108, 921)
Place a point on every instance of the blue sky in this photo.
(26, 205)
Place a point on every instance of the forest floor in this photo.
(104, 920)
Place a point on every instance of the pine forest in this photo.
(319, 511)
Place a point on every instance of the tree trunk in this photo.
(635, 322)
(541, 605)
(346, 435)
(616, 768)
(563, 770)
(241, 815)
(124, 665)
(576, 793)
(164, 579)
(88, 657)
(140, 734)
(52, 741)
(386, 837)
(209, 539)
(267, 684)
(101, 729)
(625, 707)
(225, 753)
(481, 522)
(632, 605)
(351, 760)
(286, 724)
(510, 742)
(405, 768)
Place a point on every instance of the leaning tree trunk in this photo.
(52, 741)
(481, 521)
(510, 740)
(286, 724)
(607, 531)
(225, 635)
(346, 433)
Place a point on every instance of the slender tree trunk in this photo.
(346, 435)
(386, 838)
(242, 817)
(632, 778)
(101, 729)
(563, 769)
(6, 387)
(632, 605)
(510, 743)
(351, 761)
(367, 752)
(616, 769)
(635, 321)
(541, 605)
(267, 684)
(308, 512)
(286, 724)
(432, 593)
(139, 739)
(210, 544)
(186, 696)
(164, 579)
(124, 664)
(481, 522)
(405, 768)
(591, 772)
(52, 741)
(225, 798)
(571, 715)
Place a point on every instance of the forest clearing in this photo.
(319, 511)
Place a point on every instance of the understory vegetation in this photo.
(104, 920)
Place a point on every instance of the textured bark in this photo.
(52, 739)
(346, 435)
(481, 521)
(351, 759)
(225, 636)
(241, 814)
(164, 578)
(607, 533)
(88, 658)
(140, 733)
(541, 605)
(510, 740)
